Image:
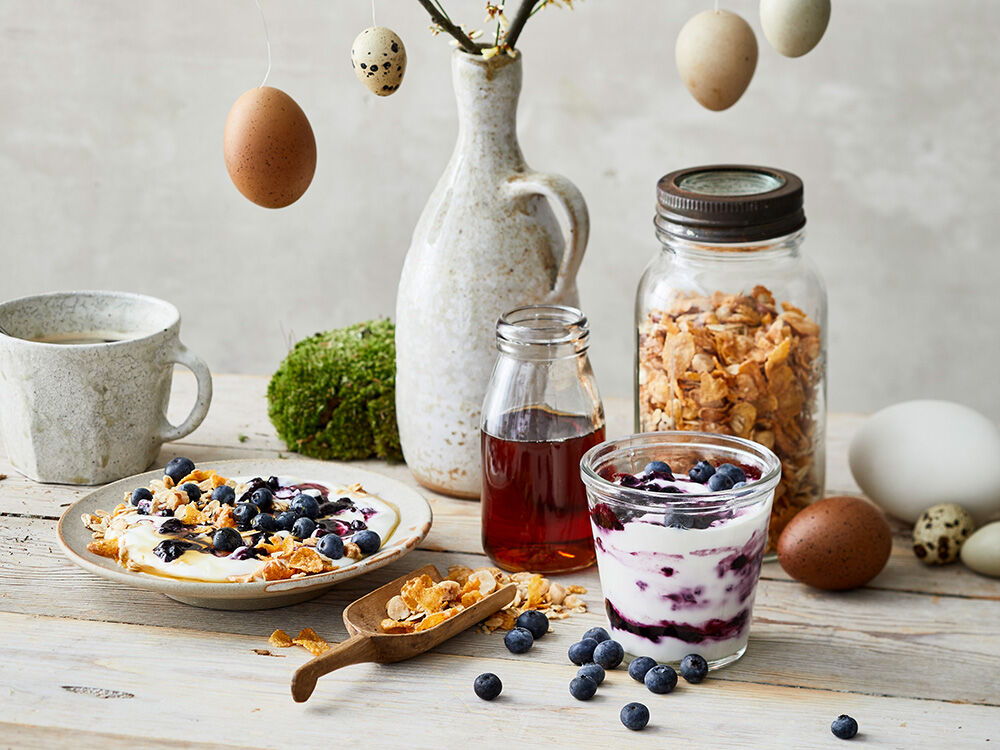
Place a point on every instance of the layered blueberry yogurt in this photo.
(679, 555)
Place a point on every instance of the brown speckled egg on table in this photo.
(379, 60)
(940, 532)
(836, 543)
(269, 147)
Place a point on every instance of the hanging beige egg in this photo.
(379, 60)
(269, 147)
(793, 27)
(716, 57)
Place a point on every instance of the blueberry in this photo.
(844, 727)
(170, 549)
(734, 472)
(286, 520)
(224, 494)
(170, 526)
(178, 468)
(192, 490)
(305, 505)
(368, 542)
(582, 652)
(227, 539)
(593, 671)
(144, 506)
(634, 716)
(598, 634)
(658, 467)
(609, 654)
(638, 668)
(264, 522)
(303, 527)
(141, 493)
(701, 472)
(262, 498)
(332, 546)
(487, 686)
(719, 482)
(243, 513)
(582, 688)
(694, 668)
(661, 679)
(518, 640)
(534, 622)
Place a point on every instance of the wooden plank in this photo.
(426, 702)
(83, 738)
(898, 642)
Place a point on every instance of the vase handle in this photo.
(564, 193)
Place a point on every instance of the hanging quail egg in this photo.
(981, 551)
(793, 27)
(940, 532)
(716, 57)
(269, 147)
(379, 60)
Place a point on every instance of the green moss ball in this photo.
(333, 397)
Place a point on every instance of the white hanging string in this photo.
(373, 14)
(267, 41)
(716, 6)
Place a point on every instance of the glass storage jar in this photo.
(731, 323)
(541, 413)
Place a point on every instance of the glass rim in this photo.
(543, 326)
(709, 501)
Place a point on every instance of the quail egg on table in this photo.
(940, 533)
(379, 60)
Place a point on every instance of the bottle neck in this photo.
(486, 92)
(778, 247)
(543, 333)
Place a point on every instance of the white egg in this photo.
(912, 455)
(379, 60)
(981, 551)
(716, 56)
(793, 27)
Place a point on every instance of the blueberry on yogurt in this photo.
(720, 482)
(264, 522)
(701, 472)
(303, 527)
(263, 498)
(368, 542)
(227, 539)
(286, 519)
(178, 468)
(139, 494)
(734, 472)
(224, 494)
(192, 490)
(305, 506)
(243, 514)
(331, 546)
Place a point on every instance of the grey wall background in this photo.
(111, 172)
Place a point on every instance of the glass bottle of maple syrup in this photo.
(542, 412)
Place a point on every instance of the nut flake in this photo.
(280, 639)
(311, 642)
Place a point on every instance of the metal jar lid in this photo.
(729, 203)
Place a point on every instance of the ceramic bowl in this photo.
(414, 523)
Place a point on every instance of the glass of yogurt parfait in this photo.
(679, 553)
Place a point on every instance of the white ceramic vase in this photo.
(487, 241)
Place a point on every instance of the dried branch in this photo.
(517, 25)
(463, 39)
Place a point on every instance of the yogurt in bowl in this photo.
(679, 553)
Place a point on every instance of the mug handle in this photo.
(564, 193)
(182, 356)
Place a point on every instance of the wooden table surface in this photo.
(914, 656)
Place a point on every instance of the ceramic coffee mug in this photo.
(84, 384)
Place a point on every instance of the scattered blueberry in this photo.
(262, 498)
(518, 640)
(141, 493)
(170, 549)
(170, 526)
(734, 472)
(243, 513)
(634, 716)
(224, 494)
(701, 472)
(192, 490)
(305, 505)
(303, 527)
(332, 546)
(227, 539)
(694, 668)
(178, 468)
(609, 654)
(582, 688)
(264, 522)
(286, 519)
(598, 634)
(638, 668)
(487, 686)
(661, 679)
(582, 652)
(593, 671)
(844, 727)
(719, 482)
(661, 468)
(534, 622)
(368, 542)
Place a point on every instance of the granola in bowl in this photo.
(742, 365)
(209, 528)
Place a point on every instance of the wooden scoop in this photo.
(368, 644)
